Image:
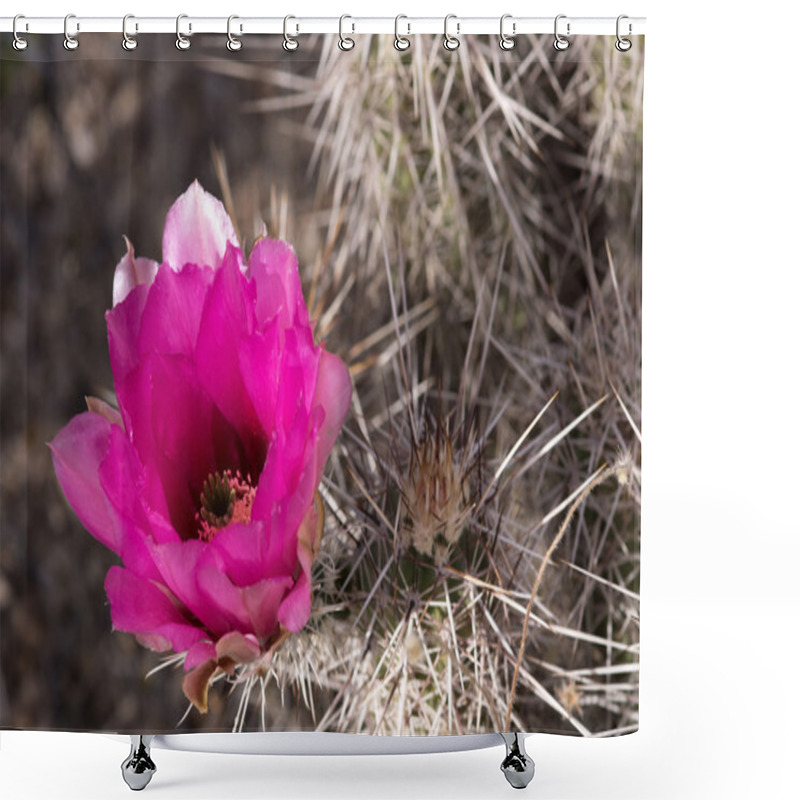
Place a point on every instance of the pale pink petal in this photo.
(262, 601)
(273, 267)
(309, 535)
(197, 230)
(242, 649)
(132, 272)
(296, 606)
(195, 684)
(78, 450)
(98, 406)
(333, 392)
(199, 653)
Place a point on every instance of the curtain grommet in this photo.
(19, 44)
(181, 42)
(129, 42)
(451, 42)
(560, 43)
(401, 43)
(507, 42)
(623, 45)
(234, 44)
(70, 42)
(290, 43)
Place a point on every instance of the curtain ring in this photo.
(346, 42)
(401, 42)
(560, 43)
(623, 45)
(507, 42)
(129, 42)
(19, 43)
(182, 43)
(451, 42)
(289, 42)
(70, 42)
(234, 44)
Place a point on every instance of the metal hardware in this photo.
(507, 42)
(129, 42)
(345, 42)
(517, 766)
(70, 42)
(560, 43)
(451, 42)
(290, 44)
(623, 45)
(401, 42)
(19, 43)
(138, 768)
(233, 44)
(182, 43)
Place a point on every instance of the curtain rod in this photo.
(348, 25)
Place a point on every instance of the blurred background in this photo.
(496, 195)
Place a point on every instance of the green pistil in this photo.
(217, 501)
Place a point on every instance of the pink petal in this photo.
(199, 653)
(179, 435)
(197, 230)
(260, 367)
(262, 601)
(248, 554)
(123, 323)
(139, 606)
(217, 591)
(273, 267)
(172, 315)
(132, 272)
(179, 564)
(227, 320)
(296, 607)
(333, 393)
(78, 450)
(239, 548)
(121, 480)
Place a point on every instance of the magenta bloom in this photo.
(204, 481)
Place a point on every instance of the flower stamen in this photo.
(226, 499)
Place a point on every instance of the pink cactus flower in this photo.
(204, 482)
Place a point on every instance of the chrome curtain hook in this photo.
(346, 42)
(19, 43)
(290, 44)
(401, 42)
(451, 42)
(623, 45)
(507, 42)
(560, 43)
(182, 43)
(129, 42)
(234, 44)
(70, 42)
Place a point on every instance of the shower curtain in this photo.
(321, 385)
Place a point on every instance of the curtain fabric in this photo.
(321, 386)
